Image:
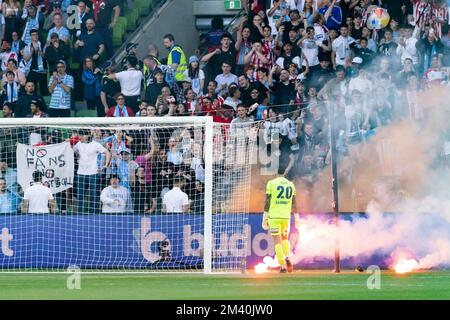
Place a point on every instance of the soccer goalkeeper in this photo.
(280, 202)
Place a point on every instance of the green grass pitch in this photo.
(298, 285)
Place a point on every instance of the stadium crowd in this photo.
(280, 70)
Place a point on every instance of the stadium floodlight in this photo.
(153, 194)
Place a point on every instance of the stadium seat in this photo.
(144, 6)
(132, 17)
(117, 36)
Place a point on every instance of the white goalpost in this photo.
(151, 194)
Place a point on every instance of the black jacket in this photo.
(23, 105)
(53, 55)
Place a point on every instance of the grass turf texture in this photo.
(299, 285)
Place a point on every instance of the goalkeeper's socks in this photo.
(279, 254)
(286, 247)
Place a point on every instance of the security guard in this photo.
(176, 59)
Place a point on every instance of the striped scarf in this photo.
(117, 112)
(12, 91)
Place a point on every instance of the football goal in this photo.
(144, 194)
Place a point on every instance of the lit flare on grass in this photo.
(268, 262)
(406, 265)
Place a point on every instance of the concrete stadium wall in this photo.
(176, 17)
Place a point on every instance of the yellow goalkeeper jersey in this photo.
(281, 192)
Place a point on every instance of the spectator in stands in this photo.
(407, 47)
(17, 45)
(163, 173)
(288, 57)
(176, 58)
(33, 56)
(7, 111)
(225, 79)
(10, 90)
(226, 53)
(36, 112)
(9, 202)
(6, 55)
(23, 107)
(435, 74)
(82, 16)
(142, 194)
(19, 76)
(38, 197)
(283, 90)
(195, 75)
(106, 14)
(126, 168)
(142, 109)
(10, 175)
(60, 87)
(87, 178)
(341, 53)
(242, 121)
(256, 56)
(120, 109)
(212, 37)
(131, 84)
(152, 50)
(175, 200)
(242, 46)
(116, 198)
(427, 47)
(55, 8)
(91, 84)
(59, 29)
(388, 47)
(10, 11)
(90, 43)
(154, 89)
(233, 96)
(131, 50)
(109, 88)
(150, 66)
(56, 51)
(30, 17)
(292, 22)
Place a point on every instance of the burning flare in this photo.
(406, 265)
(268, 262)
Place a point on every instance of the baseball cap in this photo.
(130, 46)
(126, 150)
(357, 60)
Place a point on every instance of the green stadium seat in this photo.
(144, 6)
(132, 17)
(117, 36)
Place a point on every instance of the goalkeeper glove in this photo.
(265, 221)
(297, 221)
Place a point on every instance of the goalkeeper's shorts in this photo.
(279, 227)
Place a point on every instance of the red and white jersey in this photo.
(441, 15)
(257, 62)
(422, 12)
(415, 108)
(5, 56)
(268, 47)
(435, 76)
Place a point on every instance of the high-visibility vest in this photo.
(182, 66)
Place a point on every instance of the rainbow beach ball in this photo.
(378, 19)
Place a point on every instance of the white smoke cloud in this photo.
(420, 230)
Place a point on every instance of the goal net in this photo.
(124, 194)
